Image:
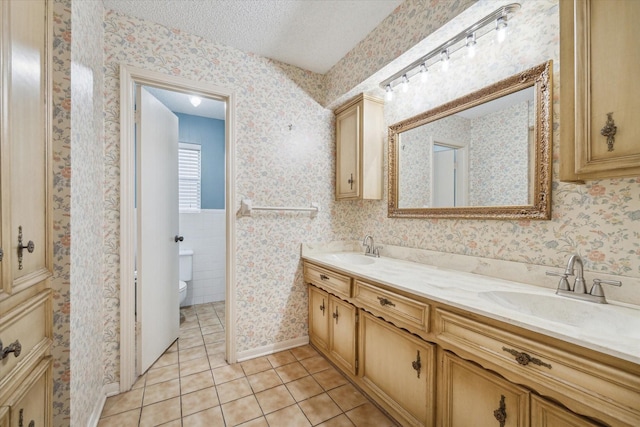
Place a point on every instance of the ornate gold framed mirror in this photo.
(486, 155)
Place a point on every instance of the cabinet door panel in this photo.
(342, 337)
(546, 414)
(319, 317)
(472, 396)
(399, 368)
(348, 146)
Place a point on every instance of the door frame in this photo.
(129, 77)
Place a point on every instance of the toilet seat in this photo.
(182, 286)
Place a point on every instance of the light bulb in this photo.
(405, 84)
(195, 100)
(423, 72)
(389, 94)
(471, 45)
(444, 58)
(501, 29)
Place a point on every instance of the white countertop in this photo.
(612, 329)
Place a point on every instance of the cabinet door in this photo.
(547, 414)
(25, 173)
(473, 396)
(399, 368)
(30, 406)
(342, 333)
(319, 317)
(348, 153)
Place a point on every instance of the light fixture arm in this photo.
(480, 28)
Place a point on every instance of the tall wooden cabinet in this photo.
(600, 63)
(359, 149)
(25, 211)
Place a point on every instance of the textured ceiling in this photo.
(311, 34)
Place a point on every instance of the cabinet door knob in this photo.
(350, 181)
(335, 315)
(322, 307)
(14, 348)
(30, 247)
(609, 130)
(501, 413)
(384, 301)
(417, 364)
(178, 238)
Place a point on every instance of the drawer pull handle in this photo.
(322, 307)
(324, 277)
(524, 359)
(30, 247)
(14, 348)
(501, 413)
(609, 130)
(417, 364)
(21, 420)
(384, 301)
(335, 315)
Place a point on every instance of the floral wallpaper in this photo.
(87, 164)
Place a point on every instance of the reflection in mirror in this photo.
(486, 155)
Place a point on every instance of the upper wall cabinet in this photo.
(359, 149)
(599, 87)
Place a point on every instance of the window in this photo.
(189, 182)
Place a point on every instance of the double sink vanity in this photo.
(434, 346)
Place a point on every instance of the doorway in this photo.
(130, 78)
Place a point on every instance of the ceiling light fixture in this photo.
(389, 94)
(497, 20)
(195, 100)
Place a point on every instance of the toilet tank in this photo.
(186, 265)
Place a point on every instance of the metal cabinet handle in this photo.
(384, 301)
(14, 348)
(609, 130)
(178, 238)
(32, 423)
(335, 315)
(322, 307)
(30, 247)
(524, 359)
(1, 254)
(417, 364)
(501, 413)
(324, 277)
(350, 181)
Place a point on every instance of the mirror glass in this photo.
(485, 155)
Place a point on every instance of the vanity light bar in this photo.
(497, 20)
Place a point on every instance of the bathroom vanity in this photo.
(437, 347)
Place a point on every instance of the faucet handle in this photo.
(596, 289)
(563, 284)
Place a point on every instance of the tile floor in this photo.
(191, 385)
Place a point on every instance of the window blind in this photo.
(189, 176)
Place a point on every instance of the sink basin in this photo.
(591, 317)
(351, 258)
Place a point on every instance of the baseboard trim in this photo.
(107, 390)
(273, 348)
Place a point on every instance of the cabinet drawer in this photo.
(397, 309)
(28, 324)
(30, 404)
(328, 280)
(586, 386)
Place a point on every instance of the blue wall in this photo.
(209, 134)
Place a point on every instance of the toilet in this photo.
(185, 272)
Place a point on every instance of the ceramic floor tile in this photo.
(304, 388)
(213, 325)
(140, 382)
(347, 397)
(315, 364)
(340, 421)
(217, 360)
(291, 372)
(184, 343)
(254, 366)
(124, 419)
(233, 390)
(258, 422)
(282, 358)
(264, 380)
(196, 382)
(227, 373)
(190, 324)
(290, 416)
(207, 418)
(241, 410)
(215, 335)
(161, 412)
(123, 402)
(160, 375)
(216, 347)
(166, 359)
(194, 366)
(329, 378)
(174, 347)
(368, 415)
(190, 333)
(319, 408)
(192, 353)
(161, 391)
(174, 423)
(275, 398)
(199, 401)
(304, 352)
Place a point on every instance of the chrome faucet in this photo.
(579, 291)
(370, 249)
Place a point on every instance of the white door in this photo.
(444, 178)
(158, 312)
